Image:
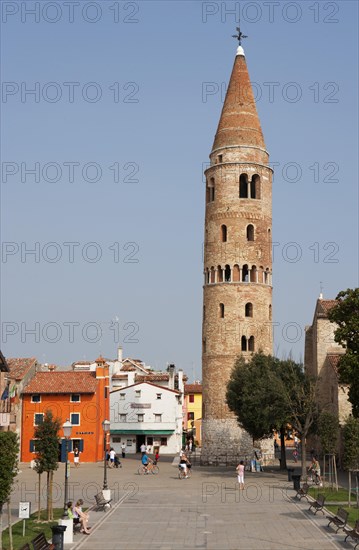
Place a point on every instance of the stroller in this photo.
(117, 462)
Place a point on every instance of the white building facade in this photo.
(146, 413)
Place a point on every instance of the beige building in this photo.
(237, 290)
(321, 358)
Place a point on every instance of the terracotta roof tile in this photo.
(324, 306)
(20, 366)
(193, 388)
(62, 382)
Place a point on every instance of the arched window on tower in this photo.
(243, 186)
(249, 310)
(221, 311)
(244, 343)
(260, 275)
(227, 274)
(236, 273)
(266, 276)
(204, 346)
(245, 274)
(219, 274)
(251, 343)
(250, 232)
(255, 187)
(254, 274)
(204, 312)
(270, 312)
(210, 190)
(223, 233)
(213, 279)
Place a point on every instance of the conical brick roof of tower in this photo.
(239, 123)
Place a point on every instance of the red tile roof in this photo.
(324, 306)
(193, 388)
(62, 382)
(20, 366)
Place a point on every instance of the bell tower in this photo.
(237, 291)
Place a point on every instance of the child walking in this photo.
(240, 474)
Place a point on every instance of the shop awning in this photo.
(141, 432)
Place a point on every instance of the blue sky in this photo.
(127, 100)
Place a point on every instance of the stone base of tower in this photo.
(224, 442)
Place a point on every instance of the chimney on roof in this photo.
(321, 296)
(51, 367)
(171, 380)
(180, 380)
(119, 354)
(131, 378)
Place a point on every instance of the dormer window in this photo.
(75, 398)
(36, 398)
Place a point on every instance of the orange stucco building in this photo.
(81, 397)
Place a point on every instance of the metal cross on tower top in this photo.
(239, 36)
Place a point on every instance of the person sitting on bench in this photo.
(82, 516)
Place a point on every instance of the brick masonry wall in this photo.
(238, 149)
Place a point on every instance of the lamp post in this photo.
(106, 428)
(67, 427)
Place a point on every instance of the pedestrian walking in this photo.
(76, 457)
(240, 474)
(143, 449)
(123, 449)
(112, 457)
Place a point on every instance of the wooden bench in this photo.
(40, 543)
(340, 519)
(353, 533)
(318, 504)
(303, 491)
(101, 502)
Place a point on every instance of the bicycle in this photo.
(182, 473)
(149, 469)
(313, 477)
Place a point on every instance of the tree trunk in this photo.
(9, 524)
(304, 457)
(48, 495)
(283, 458)
(39, 499)
(51, 486)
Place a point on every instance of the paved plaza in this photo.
(206, 511)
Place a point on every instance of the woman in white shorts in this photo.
(240, 474)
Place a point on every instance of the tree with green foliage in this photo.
(9, 449)
(351, 443)
(267, 393)
(250, 395)
(328, 431)
(297, 394)
(47, 450)
(346, 315)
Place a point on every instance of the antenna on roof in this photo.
(321, 290)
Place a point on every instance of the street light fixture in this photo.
(106, 428)
(67, 427)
